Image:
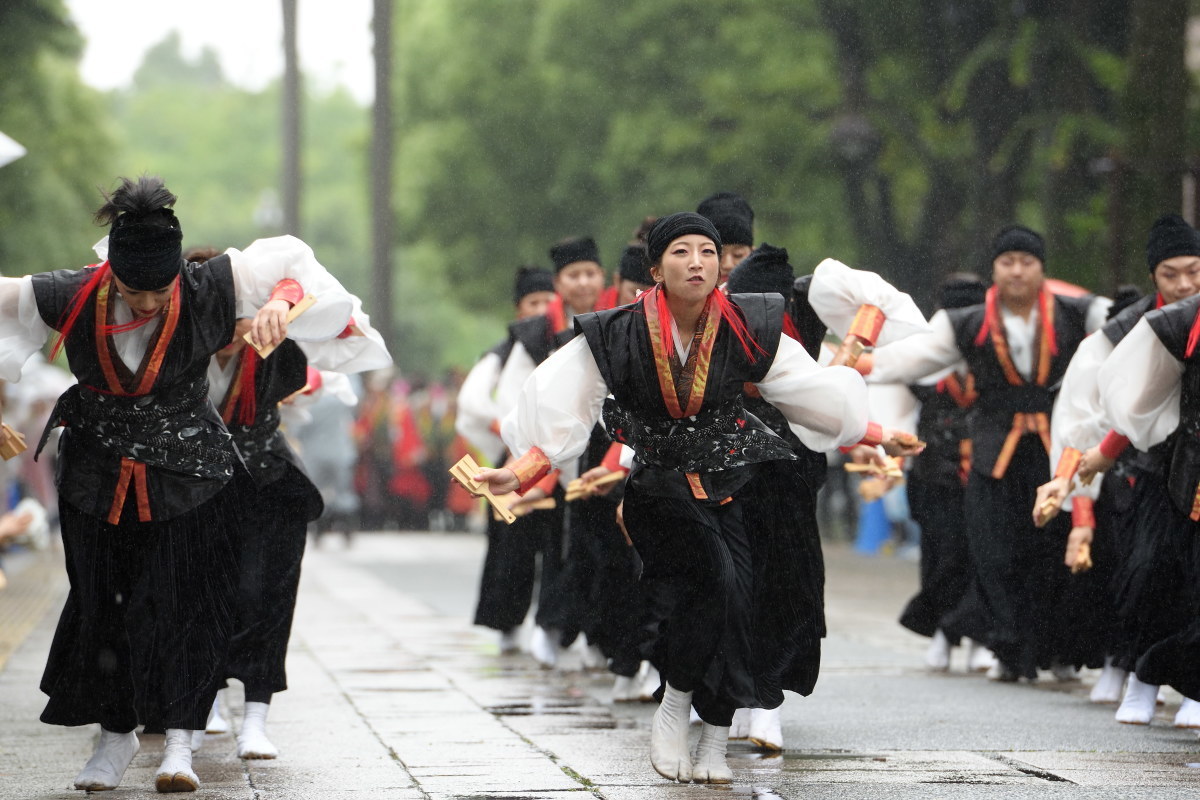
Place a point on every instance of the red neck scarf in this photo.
(1047, 344)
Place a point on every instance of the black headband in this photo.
(764, 270)
(672, 226)
(1169, 237)
(144, 255)
(635, 266)
(571, 251)
(1018, 238)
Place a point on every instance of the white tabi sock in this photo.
(979, 658)
(253, 741)
(709, 765)
(937, 657)
(669, 736)
(1109, 685)
(1064, 673)
(649, 683)
(197, 740)
(1189, 714)
(175, 773)
(766, 728)
(740, 729)
(625, 689)
(509, 643)
(109, 761)
(216, 723)
(1138, 706)
(543, 646)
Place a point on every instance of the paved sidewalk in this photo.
(394, 695)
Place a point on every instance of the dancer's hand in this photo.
(1092, 463)
(900, 444)
(1050, 497)
(13, 525)
(500, 481)
(270, 323)
(519, 504)
(1079, 537)
(594, 474)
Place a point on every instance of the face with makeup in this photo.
(688, 268)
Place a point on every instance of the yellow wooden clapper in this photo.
(464, 472)
(13, 444)
(577, 489)
(298, 309)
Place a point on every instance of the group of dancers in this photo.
(183, 511)
(687, 423)
(663, 439)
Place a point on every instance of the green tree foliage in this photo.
(896, 137)
(47, 197)
(527, 121)
(218, 147)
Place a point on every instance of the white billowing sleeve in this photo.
(511, 382)
(1140, 388)
(892, 405)
(1078, 418)
(22, 332)
(558, 406)
(913, 358)
(826, 407)
(477, 408)
(266, 262)
(361, 351)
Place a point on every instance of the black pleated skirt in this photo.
(182, 574)
(734, 592)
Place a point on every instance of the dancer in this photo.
(1121, 539)
(1017, 345)
(510, 565)
(936, 484)
(733, 218)
(714, 504)
(279, 499)
(145, 489)
(767, 270)
(1147, 391)
(579, 289)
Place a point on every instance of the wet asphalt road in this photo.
(394, 695)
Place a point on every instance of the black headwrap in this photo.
(672, 226)
(530, 280)
(731, 215)
(1170, 236)
(961, 291)
(764, 270)
(570, 251)
(1020, 239)
(635, 266)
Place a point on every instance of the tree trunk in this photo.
(291, 122)
(1155, 113)
(382, 234)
